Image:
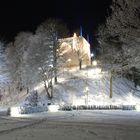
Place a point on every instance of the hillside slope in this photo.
(88, 86)
(94, 86)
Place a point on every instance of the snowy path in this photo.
(73, 125)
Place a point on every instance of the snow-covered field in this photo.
(72, 125)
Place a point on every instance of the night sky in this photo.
(27, 15)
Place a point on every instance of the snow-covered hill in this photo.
(93, 86)
(88, 86)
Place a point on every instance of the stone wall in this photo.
(72, 49)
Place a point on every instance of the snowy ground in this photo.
(93, 87)
(78, 125)
(72, 125)
(85, 87)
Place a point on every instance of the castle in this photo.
(75, 51)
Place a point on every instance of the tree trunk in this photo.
(0, 95)
(80, 64)
(51, 87)
(55, 77)
(55, 62)
(27, 90)
(110, 87)
(46, 88)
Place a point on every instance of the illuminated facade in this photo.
(74, 50)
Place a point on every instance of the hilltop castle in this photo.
(75, 51)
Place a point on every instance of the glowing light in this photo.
(77, 102)
(92, 54)
(39, 87)
(94, 63)
(74, 35)
(51, 66)
(53, 108)
(86, 89)
(98, 70)
(130, 100)
(137, 107)
(15, 111)
(69, 60)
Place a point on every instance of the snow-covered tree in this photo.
(51, 30)
(120, 37)
(4, 71)
(32, 99)
(124, 26)
(39, 63)
(33, 58)
(16, 53)
(110, 52)
(30, 61)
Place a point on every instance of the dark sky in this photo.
(25, 15)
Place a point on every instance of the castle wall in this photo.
(74, 48)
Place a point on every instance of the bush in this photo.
(32, 99)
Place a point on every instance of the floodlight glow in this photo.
(39, 68)
(137, 107)
(77, 102)
(87, 89)
(53, 108)
(94, 63)
(51, 65)
(15, 111)
(92, 54)
(69, 60)
(130, 100)
(74, 35)
(98, 70)
(39, 86)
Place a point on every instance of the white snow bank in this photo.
(72, 89)
(53, 108)
(32, 104)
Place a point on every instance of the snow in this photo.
(72, 86)
(77, 125)
(71, 89)
(2, 109)
(53, 108)
(32, 103)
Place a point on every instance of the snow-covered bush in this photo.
(34, 103)
(32, 99)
